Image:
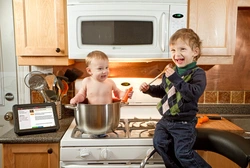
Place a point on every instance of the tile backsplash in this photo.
(225, 97)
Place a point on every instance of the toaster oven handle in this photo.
(163, 33)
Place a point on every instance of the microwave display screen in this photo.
(116, 32)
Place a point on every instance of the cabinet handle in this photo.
(58, 50)
(8, 116)
(50, 150)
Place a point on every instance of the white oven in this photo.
(124, 30)
(127, 146)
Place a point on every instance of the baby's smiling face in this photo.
(99, 69)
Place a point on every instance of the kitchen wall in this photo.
(227, 84)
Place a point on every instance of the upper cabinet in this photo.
(40, 32)
(215, 22)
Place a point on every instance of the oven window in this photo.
(116, 32)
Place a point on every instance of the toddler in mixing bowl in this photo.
(98, 88)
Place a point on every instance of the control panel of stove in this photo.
(106, 153)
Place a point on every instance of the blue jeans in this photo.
(174, 140)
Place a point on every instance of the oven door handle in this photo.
(144, 161)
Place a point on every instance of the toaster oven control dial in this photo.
(105, 154)
(84, 153)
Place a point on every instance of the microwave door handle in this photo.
(163, 33)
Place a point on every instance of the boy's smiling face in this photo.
(182, 54)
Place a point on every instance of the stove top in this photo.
(127, 128)
(130, 132)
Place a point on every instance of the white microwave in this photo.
(124, 30)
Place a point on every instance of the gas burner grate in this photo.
(99, 136)
(120, 132)
(137, 124)
(127, 128)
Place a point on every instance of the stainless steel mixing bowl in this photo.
(96, 119)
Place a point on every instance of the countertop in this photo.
(52, 137)
(222, 124)
(55, 137)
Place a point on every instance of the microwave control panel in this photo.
(178, 18)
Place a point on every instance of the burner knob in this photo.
(84, 152)
(105, 154)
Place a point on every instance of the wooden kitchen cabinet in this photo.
(31, 155)
(41, 32)
(215, 22)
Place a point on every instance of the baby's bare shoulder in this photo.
(110, 82)
(86, 80)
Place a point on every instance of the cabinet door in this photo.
(215, 22)
(31, 155)
(40, 27)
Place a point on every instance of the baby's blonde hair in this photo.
(95, 55)
(189, 36)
